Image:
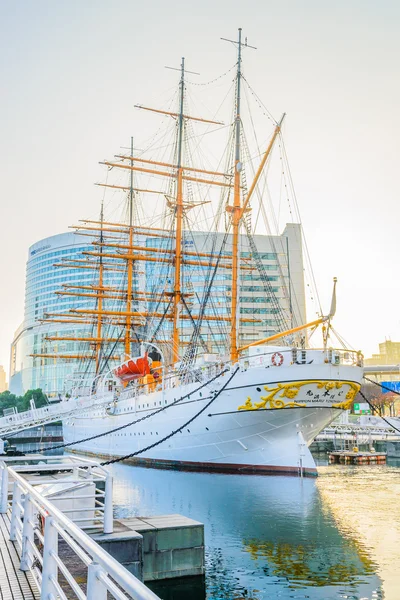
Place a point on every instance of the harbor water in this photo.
(334, 537)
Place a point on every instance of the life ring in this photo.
(277, 359)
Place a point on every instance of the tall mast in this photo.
(100, 296)
(128, 323)
(131, 188)
(236, 212)
(179, 222)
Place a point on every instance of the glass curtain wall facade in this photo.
(43, 279)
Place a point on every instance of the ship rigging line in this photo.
(99, 435)
(381, 385)
(196, 334)
(374, 409)
(160, 322)
(194, 323)
(170, 435)
(105, 363)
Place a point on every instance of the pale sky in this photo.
(71, 72)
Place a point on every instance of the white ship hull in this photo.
(263, 421)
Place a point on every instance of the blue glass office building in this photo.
(43, 279)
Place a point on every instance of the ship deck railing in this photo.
(299, 356)
(48, 545)
(201, 373)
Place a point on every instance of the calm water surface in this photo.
(336, 537)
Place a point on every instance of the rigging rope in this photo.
(190, 352)
(381, 385)
(277, 310)
(212, 80)
(374, 409)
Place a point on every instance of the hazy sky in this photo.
(71, 72)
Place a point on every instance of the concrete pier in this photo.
(154, 548)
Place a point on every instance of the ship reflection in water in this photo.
(274, 537)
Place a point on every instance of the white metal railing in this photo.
(40, 432)
(83, 479)
(36, 527)
(47, 414)
(297, 356)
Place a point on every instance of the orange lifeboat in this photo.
(133, 369)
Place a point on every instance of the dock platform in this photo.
(14, 583)
(348, 457)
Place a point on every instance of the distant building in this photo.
(3, 382)
(42, 280)
(389, 354)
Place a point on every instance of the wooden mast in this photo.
(100, 297)
(236, 213)
(179, 223)
(129, 268)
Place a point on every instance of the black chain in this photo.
(93, 437)
(374, 409)
(381, 385)
(170, 435)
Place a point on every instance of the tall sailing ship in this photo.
(174, 369)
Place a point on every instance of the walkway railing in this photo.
(35, 417)
(37, 527)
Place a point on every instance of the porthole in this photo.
(258, 389)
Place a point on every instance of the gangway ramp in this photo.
(35, 417)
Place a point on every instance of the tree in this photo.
(21, 403)
(383, 401)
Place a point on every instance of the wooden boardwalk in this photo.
(14, 584)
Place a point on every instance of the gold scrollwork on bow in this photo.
(291, 390)
(351, 394)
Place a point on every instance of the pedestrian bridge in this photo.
(35, 417)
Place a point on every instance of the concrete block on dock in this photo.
(187, 559)
(126, 547)
(173, 545)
